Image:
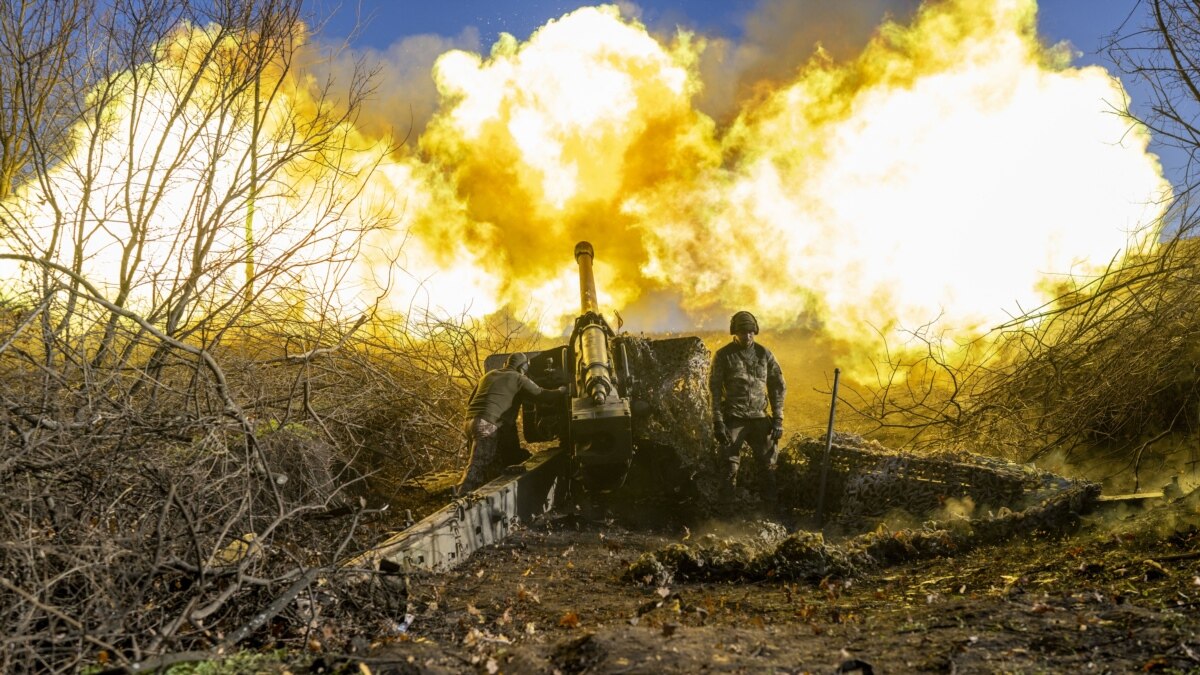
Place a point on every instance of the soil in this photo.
(1120, 595)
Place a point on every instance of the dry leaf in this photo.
(236, 551)
(526, 594)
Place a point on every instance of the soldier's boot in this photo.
(770, 489)
(473, 477)
(728, 490)
(726, 493)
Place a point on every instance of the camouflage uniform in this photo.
(492, 407)
(743, 382)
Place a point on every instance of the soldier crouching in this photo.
(491, 406)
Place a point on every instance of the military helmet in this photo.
(516, 360)
(744, 320)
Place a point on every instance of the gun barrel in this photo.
(600, 427)
(584, 255)
(595, 370)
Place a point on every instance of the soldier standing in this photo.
(488, 410)
(745, 379)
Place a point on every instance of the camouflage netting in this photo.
(869, 479)
(672, 428)
(866, 480)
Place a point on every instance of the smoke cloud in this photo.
(404, 96)
(924, 163)
(779, 36)
(941, 166)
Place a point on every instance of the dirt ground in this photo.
(1119, 596)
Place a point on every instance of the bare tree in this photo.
(1103, 372)
(1158, 48)
(40, 82)
(921, 388)
(181, 382)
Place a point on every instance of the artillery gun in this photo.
(597, 425)
(637, 409)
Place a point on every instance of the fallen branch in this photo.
(29, 319)
(272, 609)
(322, 351)
(83, 633)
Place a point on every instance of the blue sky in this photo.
(398, 18)
(1083, 22)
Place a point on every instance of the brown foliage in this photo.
(190, 446)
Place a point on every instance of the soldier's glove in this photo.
(721, 433)
(776, 430)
